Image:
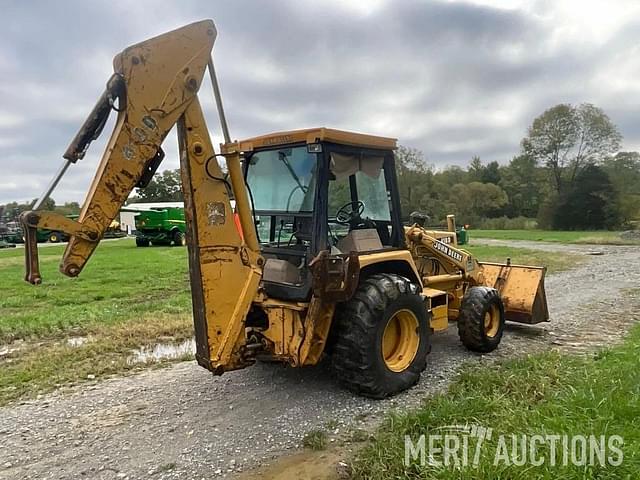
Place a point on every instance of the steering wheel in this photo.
(349, 212)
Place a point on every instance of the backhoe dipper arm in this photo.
(160, 79)
(155, 82)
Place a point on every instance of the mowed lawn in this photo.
(120, 283)
(554, 262)
(126, 298)
(579, 237)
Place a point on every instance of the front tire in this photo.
(54, 237)
(481, 320)
(179, 239)
(382, 337)
(142, 242)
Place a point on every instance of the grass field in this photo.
(579, 237)
(120, 283)
(553, 261)
(126, 297)
(546, 394)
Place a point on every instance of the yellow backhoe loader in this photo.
(312, 260)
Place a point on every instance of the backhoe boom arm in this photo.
(156, 84)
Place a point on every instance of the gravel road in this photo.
(182, 422)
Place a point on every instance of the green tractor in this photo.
(51, 236)
(13, 234)
(160, 226)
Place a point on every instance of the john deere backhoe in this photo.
(314, 258)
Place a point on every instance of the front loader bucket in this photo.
(522, 291)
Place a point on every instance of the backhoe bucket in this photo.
(522, 291)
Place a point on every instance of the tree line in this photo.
(569, 174)
(11, 211)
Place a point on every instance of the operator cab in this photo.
(319, 189)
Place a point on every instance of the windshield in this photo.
(283, 180)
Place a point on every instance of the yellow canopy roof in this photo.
(314, 135)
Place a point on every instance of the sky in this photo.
(453, 79)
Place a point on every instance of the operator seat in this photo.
(283, 280)
(280, 271)
(360, 240)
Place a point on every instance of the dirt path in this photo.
(181, 422)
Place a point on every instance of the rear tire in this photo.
(55, 237)
(142, 242)
(179, 239)
(481, 320)
(382, 337)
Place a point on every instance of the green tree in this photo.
(48, 204)
(624, 171)
(415, 179)
(567, 138)
(12, 210)
(523, 183)
(491, 173)
(69, 208)
(476, 200)
(476, 169)
(477, 172)
(592, 204)
(452, 175)
(163, 187)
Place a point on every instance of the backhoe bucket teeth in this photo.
(522, 291)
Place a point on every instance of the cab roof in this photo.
(314, 135)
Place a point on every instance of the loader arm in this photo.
(156, 84)
(521, 287)
(456, 261)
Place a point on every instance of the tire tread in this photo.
(356, 321)
(471, 319)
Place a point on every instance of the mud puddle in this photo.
(306, 465)
(163, 351)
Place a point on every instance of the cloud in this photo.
(451, 78)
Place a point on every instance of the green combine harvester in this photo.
(160, 226)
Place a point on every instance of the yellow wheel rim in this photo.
(492, 321)
(54, 238)
(400, 340)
